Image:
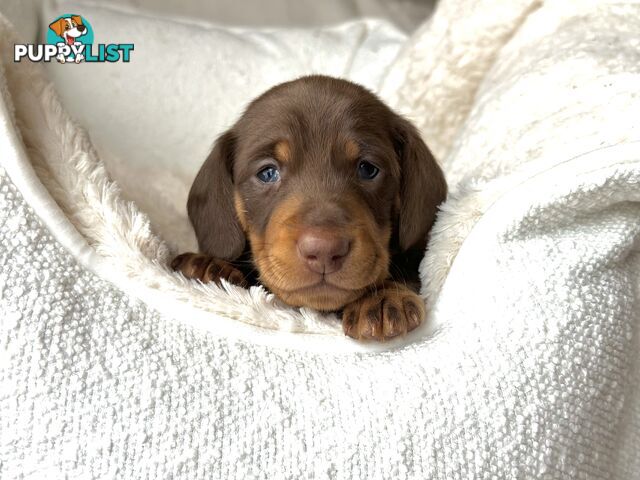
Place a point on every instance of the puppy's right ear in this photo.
(210, 205)
(58, 26)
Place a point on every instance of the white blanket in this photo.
(529, 367)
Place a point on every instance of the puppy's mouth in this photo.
(322, 295)
(325, 292)
(323, 284)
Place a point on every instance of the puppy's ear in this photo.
(210, 204)
(58, 26)
(77, 19)
(422, 188)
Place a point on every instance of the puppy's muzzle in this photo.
(323, 251)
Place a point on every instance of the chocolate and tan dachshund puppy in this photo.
(325, 196)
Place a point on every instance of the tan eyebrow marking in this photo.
(352, 150)
(282, 151)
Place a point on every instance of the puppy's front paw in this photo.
(390, 311)
(207, 269)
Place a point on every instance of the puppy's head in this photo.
(69, 27)
(323, 180)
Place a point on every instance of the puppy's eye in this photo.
(269, 174)
(367, 170)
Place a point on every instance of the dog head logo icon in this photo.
(72, 31)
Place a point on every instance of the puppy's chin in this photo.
(324, 297)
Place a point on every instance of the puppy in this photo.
(325, 196)
(69, 28)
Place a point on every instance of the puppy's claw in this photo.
(207, 269)
(391, 311)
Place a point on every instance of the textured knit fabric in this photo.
(529, 367)
(529, 378)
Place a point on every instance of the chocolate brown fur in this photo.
(322, 236)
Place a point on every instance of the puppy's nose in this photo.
(81, 28)
(323, 252)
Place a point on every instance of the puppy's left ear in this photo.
(422, 187)
(77, 19)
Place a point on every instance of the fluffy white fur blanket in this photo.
(112, 366)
